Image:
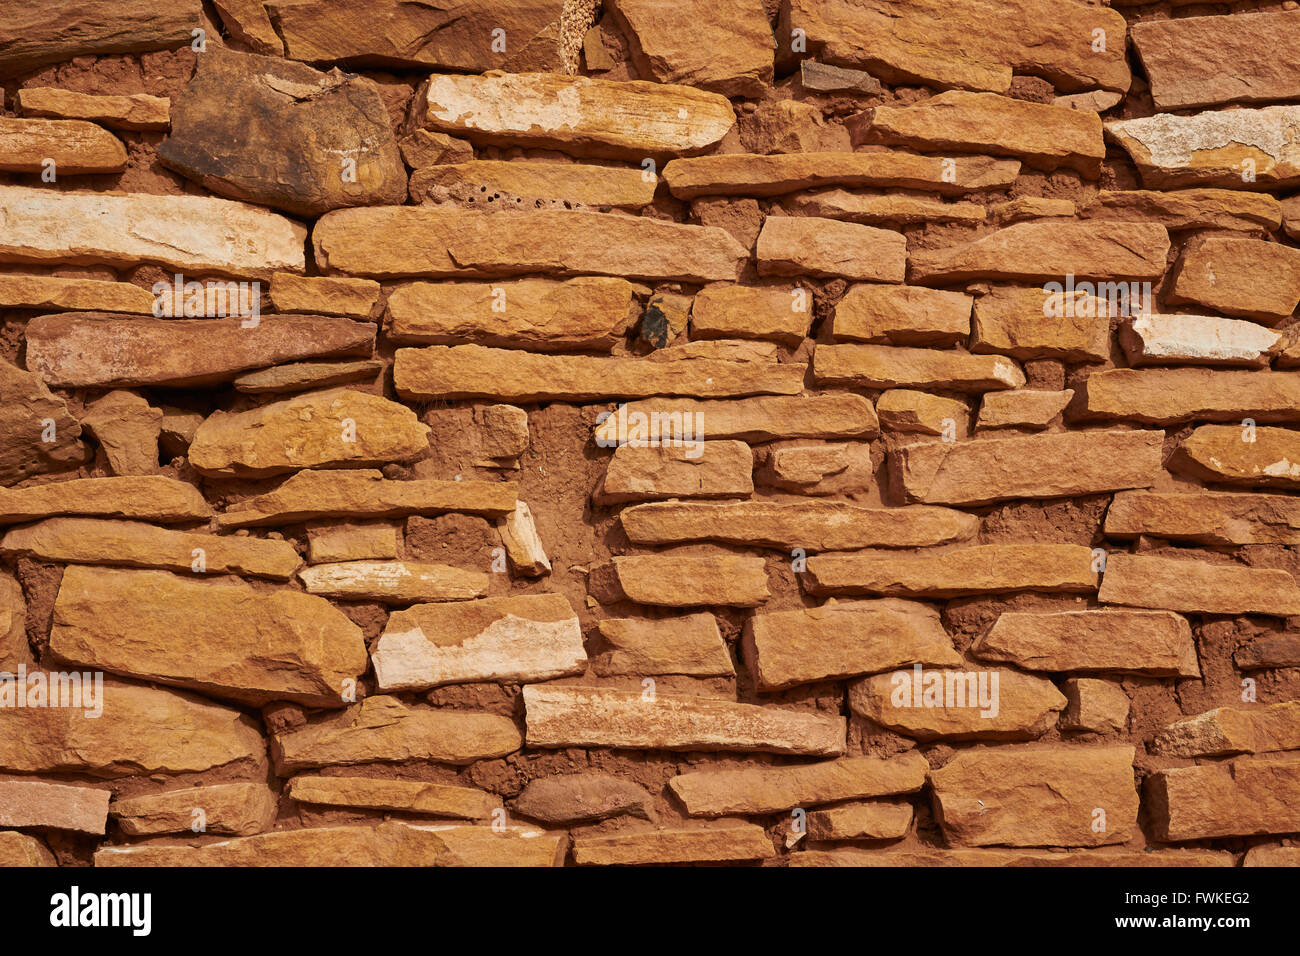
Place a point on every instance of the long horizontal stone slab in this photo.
(811, 525)
(58, 294)
(751, 174)
(1057, 465)
(762, 790)
(744, 841)
(1156, 643)
(1034, 323)
(1236, 455)
(540, 314)
(1037, 796)
(672, 580)
(238, 809)
(890, 366)
(984, 569)
(473, 371)
(405, 796)
(507, 182)
(1197, 587)
(1205, 517)
(1239, 276)
(587, 117)
(131, 729)
(198, 234)
(759, 419)
(366, 493)
(74, 147)
(384, 729)
(135, 544)
(388, 844)
(1243, 797)
(97, 350)
(391, 242)
(221, 638)
(1232, 730)
(1048, 251)
(393, 582)
(57, 806)
(133, 111)
(711, 469)
(689, 644)
(146, 497)
(828, 248)
(1165, 396)
(1194, 208)
(575, 716)
(844, 639)
(1214, 148)
(1196, 340)
(532, 637)
(30, 37)
(990, 857)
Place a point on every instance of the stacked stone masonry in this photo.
(766, 432)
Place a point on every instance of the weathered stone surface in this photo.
(748, 174)
(134, 544)
(959, 704)
(390, 33)
(20, 849)
(388, 844)
(1093, 101)
(1205, 61)
(424, 147)
(907, 410)
(473, 371)
(1156, 643)
(508, 183)
(1031, 796)
(1269, 650)
(844, 639)
(238, 809)
(1242, 797)
(985, 569)
(1268, 855)
(598, 717)
(1164, 396)
(1205, 517)
(201, 635)
(1214, 148)
(970, 44)
(36, 803)
(1034, 324)
(903, 315)
(324, 295)
(523, 546)
(383, 729)
(825, 78)
(886, 366)
(881, 820)
(91, 349)
(14, 649)
(137, 111)
(1030, 207)
(1197, 587)
(1188, 208)
(512, 639)
(393, 582)
(753, 420)
(1246, 277)
(73, 146)
(1232, 730)
(365, 494)
(194, 233)
(585, 117)
(27, 411)
(985, 858)
(333, 541)
(126, 427)
(1049, 250)
(690, 644)
(815, 469)
(805, 245)
(811, 525)
(670, 580)
(284, 146)
(881, 210)
(725, 47)
(301, 376)
(147, 497)
(744, 312)
(150, 731)
(582, 798)
(1055, 465)
(713, 469)
(1196, 340)
(761, 790)
(395, 241)
(29, 37)
(1039, 134)
(331, 428)
(1234, 455)
(1022, 408)
(1094, 706)
(743, 841)
(406, 796)
(55, 294)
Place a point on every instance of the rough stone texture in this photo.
(1241, 797)
(237, 809)
(521, 182)
(760, 419)
(1160, 396)
(902, 315)
(741, 842)
(1246, 277)
(740, 312)
(883, 366)
(1188, 208)
(913, 412)
(1232, 455)
(148, 497)
(582, 798)
(35, 803)
(73, 146)
(1157, 643)
(138, 111)
(1232, 730)
(393, 582)
(30, 37)
(405, 796)
(1023, 408)
(806, 245)
(1196, 340)
(30, 415)
(1215, 519)
(1094, 706)
(1197, 587)
(861, 821)
(713, 469)
(20, 849)
(690, 644)
(53, 294)
(1033, 324)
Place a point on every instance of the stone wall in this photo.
(815, 432)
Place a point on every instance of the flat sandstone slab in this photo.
(1206, 517)
(888, 366)
(134, 111)
(393, 582)
(670, 580)
(1237, 455)
(1197, 587)
(745, 841)
(36, 803)
(146, 497)
(238, 809)
(753, 420)
(29, 37)
(1242, 797)
(1165, 396)
(74, 147)
(1156, 643)
(1232, 730)
(405, 796)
